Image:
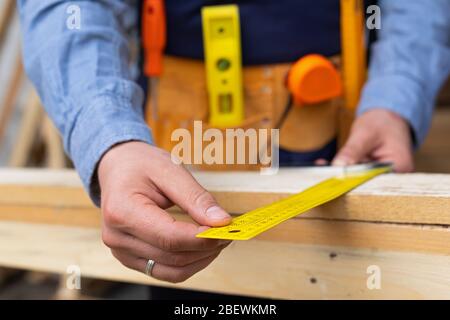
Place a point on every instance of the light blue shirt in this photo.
(88, 85)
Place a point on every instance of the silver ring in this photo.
(149, 267)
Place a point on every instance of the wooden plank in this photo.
(309, 258)
(257, 268)
(410, 238)
(6, 13)
(29, 128)
(408, 198)
(12, 92)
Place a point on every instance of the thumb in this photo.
(203, 208)
(357, 148)
(190, 196)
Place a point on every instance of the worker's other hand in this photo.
(378, 135)
(138, 182)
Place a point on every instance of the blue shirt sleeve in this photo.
(84, 76)
(410, 61)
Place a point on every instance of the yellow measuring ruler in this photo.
(262, 219)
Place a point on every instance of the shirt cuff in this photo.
(107, 122)
(402, 95)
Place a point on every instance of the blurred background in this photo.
(28, 139)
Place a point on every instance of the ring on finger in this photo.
(149, 267)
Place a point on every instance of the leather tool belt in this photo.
(183, 99)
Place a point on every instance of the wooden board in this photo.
(398, 223)
(12, 93)
(29, 128)
(6, 14)
(257, 268)
(57, 196)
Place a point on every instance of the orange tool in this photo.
(154, 42)
(313, 79)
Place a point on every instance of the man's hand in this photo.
(378, 135)
(138, 182)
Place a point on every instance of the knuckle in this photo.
(201, 197)
(167, 243)
(179, 260)
(112, 215)
(108, 238)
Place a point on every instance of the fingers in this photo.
(401, 158)
(379, 135)
(321, 162)
(404, 164)
(124, 243)
(161, 271)
(187, 193)
(177, 275)
(156, 227)
(357, 148)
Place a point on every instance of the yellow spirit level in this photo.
(222, 43)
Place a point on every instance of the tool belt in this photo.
(255, 97)
(183, 99)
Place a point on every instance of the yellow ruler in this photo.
(259, 220)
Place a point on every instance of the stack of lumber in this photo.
(397, 223)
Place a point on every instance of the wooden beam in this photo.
(409, 199)
(49, 224)
(256, 268)
(29, 128)
(6, 14)
(9, 101)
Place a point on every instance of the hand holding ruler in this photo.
(262, 219)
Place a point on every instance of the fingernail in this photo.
(217, 213)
